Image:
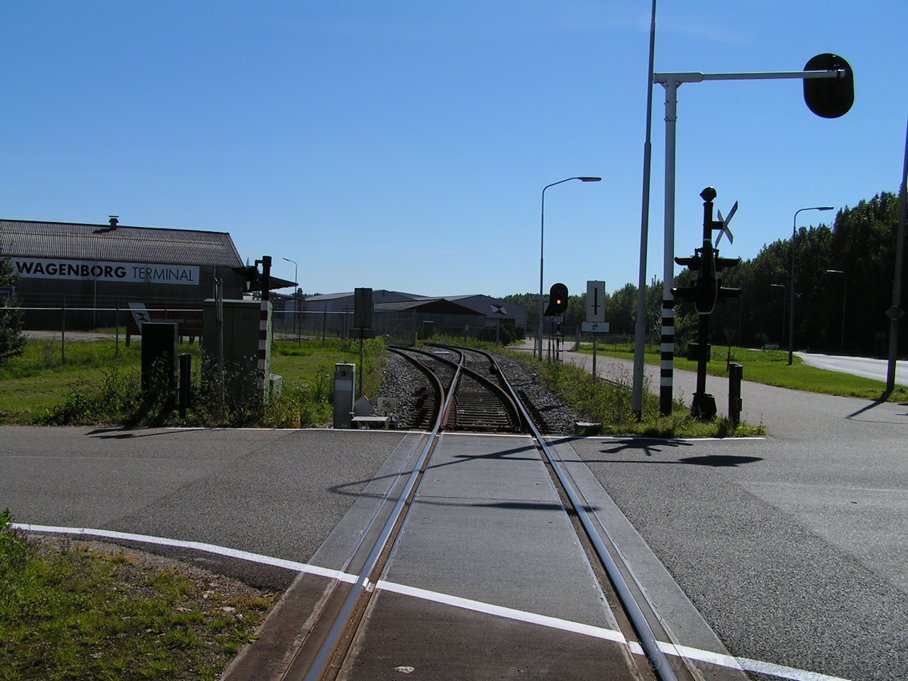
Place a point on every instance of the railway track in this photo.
(480, 402)
(464, 391)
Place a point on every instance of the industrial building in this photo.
(80, 276)
(407, 316)
(94, 271)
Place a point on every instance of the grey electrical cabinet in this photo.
(243, 335)
(344, 382)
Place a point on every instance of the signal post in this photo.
(828, 82)
(705, 294)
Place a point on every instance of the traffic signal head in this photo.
(725, 263)
(692, 263)
(558, 300)
(707, 289)
(251, 277)
(829, 97)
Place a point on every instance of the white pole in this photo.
(640, 326)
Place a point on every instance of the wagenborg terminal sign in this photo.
(88, 270)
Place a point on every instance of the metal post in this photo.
(844, 298)
(895, 311)
(219, 323)
(668, 270)
(362, 369)
(63, 332)
(782, 325)
(791, 304)
(791, 293)
(640, 325)
(542, 250)
(185, 382)
(735, 376)
(595, 343)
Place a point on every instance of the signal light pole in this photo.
(542, 248)
(844, 295)
(835, 100)
(791, 284)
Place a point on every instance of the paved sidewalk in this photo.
(785, 413)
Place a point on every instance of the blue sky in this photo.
(404, 144)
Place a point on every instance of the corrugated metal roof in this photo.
(126, 244)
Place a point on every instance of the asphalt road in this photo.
(793, 547)
(865, 367)
(278, 493)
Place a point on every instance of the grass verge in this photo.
(99, 383)
(770, 367)
(610, 405)
(68, 611)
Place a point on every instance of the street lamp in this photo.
(541, 250)
(844, 292)
(296, 300)
(782, 327)
(791, 304)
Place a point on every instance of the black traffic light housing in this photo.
(251, 277)
(693, 264)
(558, 300)
(707, 287)
(829, 97)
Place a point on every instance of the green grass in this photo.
(610, 405)
(98, 382)
(67, 612)
(771, 367)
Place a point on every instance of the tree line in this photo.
(844, 276)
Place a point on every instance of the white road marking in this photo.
(500, 611)
(717, 659)
(196, 546)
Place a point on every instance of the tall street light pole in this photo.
(782, 327)
(296, 300)
(844, 293)
(791, 285)
(542, 250)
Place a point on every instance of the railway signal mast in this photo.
(558, 302)
(706, 293)
(828, 91)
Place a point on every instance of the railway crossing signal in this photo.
(558, 300)
(705, 293)
(829, 101)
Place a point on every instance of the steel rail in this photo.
(363, 582)
(638, 619)
(506, 396)
(437, 387)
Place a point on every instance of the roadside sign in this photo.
(595, 301)
(594, 327)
